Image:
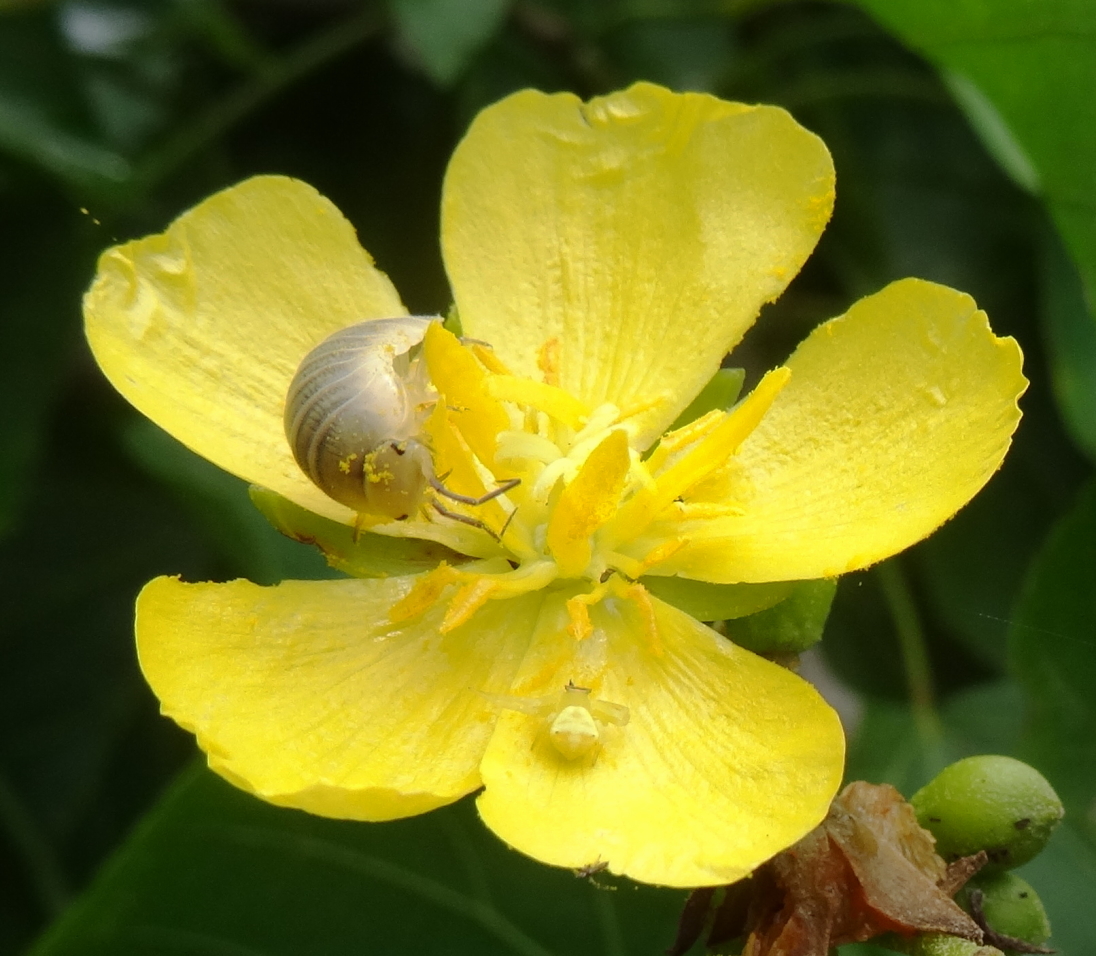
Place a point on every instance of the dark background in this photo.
(116, 116)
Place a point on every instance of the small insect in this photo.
(354, 415)
(573, 717)
(590, 869)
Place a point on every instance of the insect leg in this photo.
(466, 519)
(506, 486)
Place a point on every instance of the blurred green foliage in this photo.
(972, 167)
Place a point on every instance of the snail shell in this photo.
(354, 413)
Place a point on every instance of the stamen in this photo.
(425, 594)
(641, 598)
(488, 359)
(522, 444)
(578, 610)
(460, 378)
(718, 445)
(587, 503)
(630, 411)
(553, 471)
(629, 567)
(561, 405)
(660, 553)
(600, 419)
(466, 602)
(683, 437)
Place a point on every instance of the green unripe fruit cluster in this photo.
(934, 944)
(990, 803)
(1010, 906)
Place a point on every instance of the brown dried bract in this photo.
(867, 869)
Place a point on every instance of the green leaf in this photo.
(26, 133)
(1064, 875)
(717, 602)
(970, 570)
(1071, 342)
(45, 119)
(361, 554)
(1052, 646)
(220, 505)
(861, 646)
(214, 870)
(890, 746)
(682, 53)
(1024, 73)
(993, 131)
(42, 257)
(82, 749)
(447, 34)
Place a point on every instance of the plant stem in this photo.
(911, 641)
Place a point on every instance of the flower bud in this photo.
(1010, 906)
(790, 627)
(990, 803)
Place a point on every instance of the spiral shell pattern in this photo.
(354, 412)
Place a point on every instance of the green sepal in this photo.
(451, 322)
(717, 602)
(789, 627)
(361, 554)
(721, 392)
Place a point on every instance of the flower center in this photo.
(588, 505)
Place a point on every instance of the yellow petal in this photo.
(587, 503)
(307, 695)
(592, 234)
(203, 327)
(724, 758)
(897, 413)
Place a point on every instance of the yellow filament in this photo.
(641, 597)
(559, 404)
(425, 594)
(488, 359)
(705, 456)
(660, 553)
(467, 601)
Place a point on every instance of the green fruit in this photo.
(989, 803)
(1010, 906)
(933, 944)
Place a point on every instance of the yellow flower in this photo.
(611, 253)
